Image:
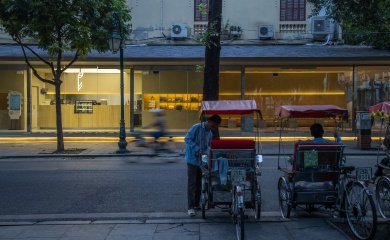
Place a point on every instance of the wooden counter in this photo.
(108, 117)
(103, 116)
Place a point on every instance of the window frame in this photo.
(202, 17)
(284, 7)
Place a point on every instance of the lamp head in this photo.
(114, 41)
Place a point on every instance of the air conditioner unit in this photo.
(179, 30)
(266, 31)
(322, 26)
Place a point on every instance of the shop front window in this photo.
(179, 93)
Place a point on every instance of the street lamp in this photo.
(116, 42)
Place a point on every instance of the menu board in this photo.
(83, 106)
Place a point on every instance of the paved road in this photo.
(111, 185)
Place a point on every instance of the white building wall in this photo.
(152, 19)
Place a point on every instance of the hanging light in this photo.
(114, 41)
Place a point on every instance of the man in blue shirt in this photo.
(317, 132)
(197, 143)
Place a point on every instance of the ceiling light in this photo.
(91, 70)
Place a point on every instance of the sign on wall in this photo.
(14, 104)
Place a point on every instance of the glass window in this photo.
(198, 17)
(292, 10)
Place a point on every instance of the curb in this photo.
(143, 155)
(337, 228)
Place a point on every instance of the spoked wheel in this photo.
(204, 198)
(361, 212)
(383, 196)
(284, 199)
(240, 224)
(258, 201)
(204, 202)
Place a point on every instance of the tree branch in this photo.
(32, 51)
(35, 72)
(76, 56)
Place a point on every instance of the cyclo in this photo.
(232, 168)
(382, 182)
(318, 178)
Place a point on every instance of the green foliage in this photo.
(59, 26)
(226, 25)
(362, 21)
(204, 38)
(202, 8)
(199, 68)
(63, 25)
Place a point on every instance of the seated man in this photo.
(317, 131)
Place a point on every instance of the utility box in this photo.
(363, 128)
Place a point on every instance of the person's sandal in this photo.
(191, 212)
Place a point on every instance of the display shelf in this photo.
(81, 106)
(172, 101)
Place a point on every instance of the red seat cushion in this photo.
(232, 144)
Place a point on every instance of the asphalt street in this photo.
(67, 195)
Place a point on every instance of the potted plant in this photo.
(225, 31)
(235, 31)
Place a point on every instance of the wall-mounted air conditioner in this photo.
(179, 30)
(266, 31)
(322, 26)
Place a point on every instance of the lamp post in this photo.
(116, 42)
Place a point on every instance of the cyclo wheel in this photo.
(203, 205)
(284, 201)
(383, 196)
(240, 224)
(360, 212)
(257, 200)
(204, 197)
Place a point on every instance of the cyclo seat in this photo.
(316, 166)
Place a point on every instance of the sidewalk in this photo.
(167, 229)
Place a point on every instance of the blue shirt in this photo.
(197, 138)
(320, 139)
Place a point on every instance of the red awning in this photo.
(230, 107)
(385, 106)
(309, 111)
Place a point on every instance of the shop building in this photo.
(165, 77)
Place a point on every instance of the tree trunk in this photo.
(60, 135)
(212, 53)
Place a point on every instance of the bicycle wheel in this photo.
(383, 196)
(360, 211)
(258, 201)
(204, 198)
(203, 205)
(284, 204)
(240, 224)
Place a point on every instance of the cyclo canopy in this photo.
(240, 107)
(309, 111)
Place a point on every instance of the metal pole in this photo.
(122, 133)
(29, 100)
(132, 99)
(242, 82)
(355, 99)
